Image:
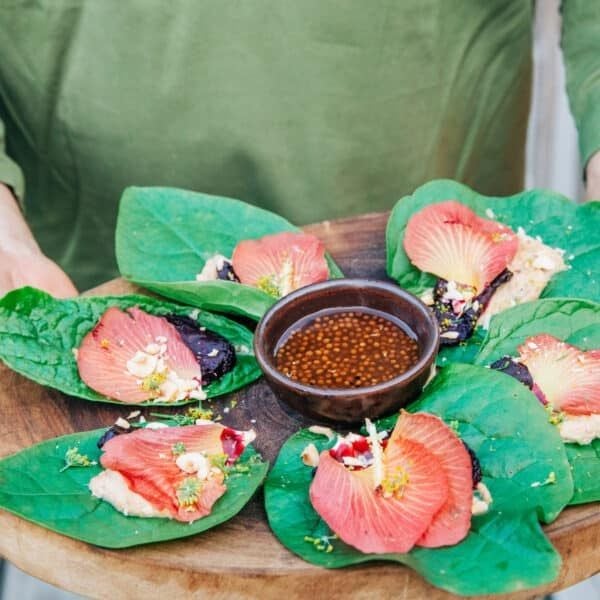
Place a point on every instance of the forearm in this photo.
(21, 260)
(592, 188)
(14, 231)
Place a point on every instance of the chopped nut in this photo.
(310, 456)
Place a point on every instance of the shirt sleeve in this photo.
(581, 50)
(10, 173)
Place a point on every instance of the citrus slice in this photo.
(386, 516)
(134, 357)
(147, 460)
(450, 241)
(451, 524)
(568, 377)
(280, 263)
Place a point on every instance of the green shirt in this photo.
(314, 108)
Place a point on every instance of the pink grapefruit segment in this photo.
(451, 524)
(390, 517)
(567, 377)
(146, 458)
(450, 241)
(281, 263)
(106, 350)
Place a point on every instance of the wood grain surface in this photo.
(240, 559)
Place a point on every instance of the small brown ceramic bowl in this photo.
(352, 404)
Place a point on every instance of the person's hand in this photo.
(21, 266)
(592, 187)
(21, 260)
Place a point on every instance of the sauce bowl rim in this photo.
(426, 360)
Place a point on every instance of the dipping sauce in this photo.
(347, 348)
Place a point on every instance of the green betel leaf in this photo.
(512, 437)
(32, 487)
(506, 549)
(559, 222)
(165, 235)
(576, 322)
(38, 334)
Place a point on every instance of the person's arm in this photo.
(592, 188)
(581, 49)
(21, 260)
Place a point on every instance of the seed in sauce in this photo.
(346, 349)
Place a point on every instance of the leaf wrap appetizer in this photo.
(166, 237)
(559, 339)
(505, 548)
(40, 337)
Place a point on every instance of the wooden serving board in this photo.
(240, 559)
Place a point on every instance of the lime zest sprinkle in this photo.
(152, 382)
(321, 543)
(550, 480)
(394, 484)
(268, 284)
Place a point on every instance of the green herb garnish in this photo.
(74, 459)
(178, 449)
(188, 492)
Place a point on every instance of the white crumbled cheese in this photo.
(211, 268)
(489, 213)
(248, 436)
(427, 297)
(582, 430)
(242, 349)
(133, 414)
(320, 430)
(194, 462)
(155, 425)
(543, 262)
(214, 352)
(532, 267)
(112, 487)
(169, 387)
(75, 352)
(310, 456)
(481, 500)
(142, 364)
(122, 423)
(450, 335)
(356, 461)
(377, 452)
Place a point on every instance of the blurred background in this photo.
(552, 163)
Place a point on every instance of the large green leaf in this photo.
(506, 549)
(38, 334)
(574, 321)
(32, 487)
(559, 222)
(165, 235)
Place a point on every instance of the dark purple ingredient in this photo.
(508, 365)
(112, 432)
(459, 326)
(485, 296)
(475, 466)
(215, 355)
(227, 273)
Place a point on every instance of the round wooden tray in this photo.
(240, 559)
